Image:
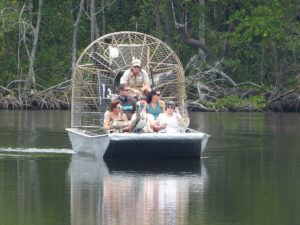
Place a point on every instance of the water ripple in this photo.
(38, 150)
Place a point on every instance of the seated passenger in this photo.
(137, 79)
(142, 121)
(155, 104)
(128, 103)
(115, 120)
(168, 121)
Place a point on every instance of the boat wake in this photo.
(37, 150)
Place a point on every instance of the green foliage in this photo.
(235, 103)
(257, 102)
(231, 101)
(8, 16)
(257, 39)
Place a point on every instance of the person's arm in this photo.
(157, 126)
(178, 116)
(162, 105)
(146, 88)
(146, 82)
(136, 91)
(151, 120)
(127, 128)
(106, 122)
(125, 118)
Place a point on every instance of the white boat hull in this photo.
(141, 145)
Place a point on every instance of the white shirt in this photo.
(170, 121)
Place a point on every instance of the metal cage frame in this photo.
(98, 69)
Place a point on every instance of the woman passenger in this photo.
(155, 104)
(115, 120)
(168, 122)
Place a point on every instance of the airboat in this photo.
(96, 77)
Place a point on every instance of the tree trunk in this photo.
(280, 73)
(75, 34)
(202, 22)
(157, 18)
(169, 24)
(20, 72)
(31, 75)
(94, 28)
(103, 17)
(262, 71)
(297, 7)
(185, 38)
(29, 7)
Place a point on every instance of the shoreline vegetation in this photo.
(238, 55)
(20, 98)
(209, 91)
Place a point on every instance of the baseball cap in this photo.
(136, 62)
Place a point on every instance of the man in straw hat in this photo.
(137, 79)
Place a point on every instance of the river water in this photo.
(249, 174)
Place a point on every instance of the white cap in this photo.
(136, 62)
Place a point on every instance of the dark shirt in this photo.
(128, 105)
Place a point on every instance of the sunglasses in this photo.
(125, 89)
(157, 94)
(136, 67)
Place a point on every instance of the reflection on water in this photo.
(33, 190)
(249, 176)
(32, 120)
(34, 129)
(249, 131)
(133, 192)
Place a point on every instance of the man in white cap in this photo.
(137, 79)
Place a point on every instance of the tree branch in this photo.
(185, 38)
(283, 95)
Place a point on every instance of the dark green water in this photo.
(249, 175)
